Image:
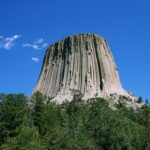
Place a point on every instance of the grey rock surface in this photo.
(83, 62)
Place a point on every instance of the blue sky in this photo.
(28, 27)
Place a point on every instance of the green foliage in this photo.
(75, 125)
(147, 102)
(144, 120)
(28, 139)
(140, 100)
(12, 112)
(37, 113)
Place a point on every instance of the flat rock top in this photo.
(83, 62)
(80, 36)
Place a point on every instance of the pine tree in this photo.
(12, 112)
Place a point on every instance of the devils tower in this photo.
(83, 62)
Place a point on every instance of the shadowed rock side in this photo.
(83, 62)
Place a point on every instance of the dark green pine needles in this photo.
(75, 125)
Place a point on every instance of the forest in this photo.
(37, 123)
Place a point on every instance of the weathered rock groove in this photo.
(83, 62)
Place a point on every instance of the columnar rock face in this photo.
(83, 62)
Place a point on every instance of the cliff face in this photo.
(83, 62)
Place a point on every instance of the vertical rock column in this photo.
(83, 62)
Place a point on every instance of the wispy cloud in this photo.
(44, 45)
(39, 40)
(38, 44)
(8, 42)
(34, 46)
(35, 59)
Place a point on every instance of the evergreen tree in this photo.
(28, 139)
(147, 102)
(37, 110)
(12, 112)
(75, 125)
(140, 99)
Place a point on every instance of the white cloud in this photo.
(34, 46)
(35, 59)
(39, 40)
(44, 45)
(38, 44)
(8, 42)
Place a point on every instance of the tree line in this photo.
(41, 124)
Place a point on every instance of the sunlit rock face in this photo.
(83, 62)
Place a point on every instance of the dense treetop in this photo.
(75, 125)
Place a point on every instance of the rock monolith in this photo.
(83, 62)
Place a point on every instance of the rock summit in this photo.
(83, 62)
